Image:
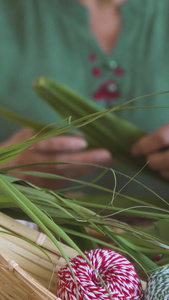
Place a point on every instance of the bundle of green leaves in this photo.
(68, 218)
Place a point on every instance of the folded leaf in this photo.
(108, 130)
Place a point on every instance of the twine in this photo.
(12, 265)
(41, 238)
(158, 285)
(117, 272)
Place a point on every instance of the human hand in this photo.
(58, 149)
(155, 147)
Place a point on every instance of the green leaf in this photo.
(107, 130)
(23, 121)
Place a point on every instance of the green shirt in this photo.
(52, 38)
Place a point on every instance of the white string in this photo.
(12, 265)
(41, 238)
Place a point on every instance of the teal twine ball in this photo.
(158, 285)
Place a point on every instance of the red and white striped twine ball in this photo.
(117, 272)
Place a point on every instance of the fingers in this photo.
(159, 160)
(165, 174)
(155, 147)
(61, 143)
(57, 149)
(96, 156)
(152, 142)
(75, 170)
(99, 157)
(18, 136)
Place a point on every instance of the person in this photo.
(109, 51)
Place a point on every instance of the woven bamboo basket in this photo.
(26, 273)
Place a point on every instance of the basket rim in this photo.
(35, 286)
(11, 266)
(34, 236)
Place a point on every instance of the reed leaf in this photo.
(52, 210)
(48, 207)
(109, 131)
(23, 121)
